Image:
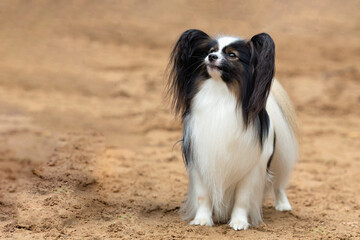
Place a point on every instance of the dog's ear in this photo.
(262, 67)
(185, 67)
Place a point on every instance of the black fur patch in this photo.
(186, 149)
(237, 70)
(253, 73)
(262, 65)
(262, 125)
(187, 68)
(272, 155)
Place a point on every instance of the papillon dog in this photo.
(239, 128)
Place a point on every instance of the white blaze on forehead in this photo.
(225, 41)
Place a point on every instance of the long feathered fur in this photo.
(186, 67)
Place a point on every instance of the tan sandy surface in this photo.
(86, 139)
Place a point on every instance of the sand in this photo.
(87, 139)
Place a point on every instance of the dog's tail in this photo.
(285, 105)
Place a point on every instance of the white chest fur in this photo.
(223, 151)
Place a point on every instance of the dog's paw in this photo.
(202, 221)
(283, 206)
(239, 224)
(281, 201)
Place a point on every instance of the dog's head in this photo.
(246, 66)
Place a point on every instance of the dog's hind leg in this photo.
(285, 155)
(281, 200)
(281, 166)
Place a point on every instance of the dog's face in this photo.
(221, 54)
(228, 59)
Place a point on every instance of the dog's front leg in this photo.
(201, 197)
(248, 199)
(239, 215)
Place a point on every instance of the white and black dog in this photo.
(238, 124)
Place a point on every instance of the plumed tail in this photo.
(285, 105)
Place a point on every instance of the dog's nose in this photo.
(212, 57)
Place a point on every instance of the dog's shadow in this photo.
(153, 208)
(276, 219)
(272, 219)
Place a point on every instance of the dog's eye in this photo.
(231, 54)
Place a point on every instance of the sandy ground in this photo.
(86, 138)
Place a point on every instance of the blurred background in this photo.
(86, 137)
